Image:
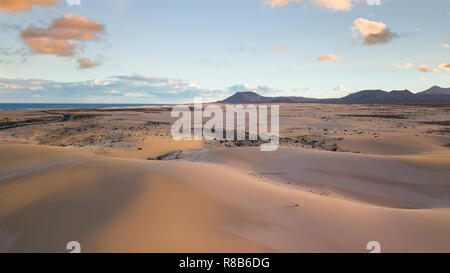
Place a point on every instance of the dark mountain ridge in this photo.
(434, 95)
(252, 97)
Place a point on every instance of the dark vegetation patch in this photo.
(7, 124)
(441, 123)
(157, 123)
(86, 116)
(144, 110)
(385, 116)
(300, 141)
(178, 154)
(441, 131)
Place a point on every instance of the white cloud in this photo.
(85, 63)
(334, 4)
(445, 67)
(306, 89)
(340, 88)
(281, 48)
(345, 5)
(371, 32)
(113, 91)
(135, 94)
(425, 68)
(330, 57)
(403, 66)
(24, 5)
(262, 89)
(63, 36)
(279, 3)
(443, 45)
(241, 88)
(98, 82)
(116, 88)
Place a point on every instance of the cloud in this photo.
(24, 5)
(241, 87)
(58, 38)
(334, 4)
(281, 48)
(301, 90)
(443, 45)
(374, 2)
(136, 94)
(279, 3)
(372, 32)
(51, 46)
(85, 63)
(16, 55)
(340, 88)
(404, 66)
(268, 90)
(425, 68)
(118, 88)
(345, 5)
(442, 67)
(330, 57)
(243, 49)
(445, 67)
(223, 64)
(423, 79)
(8, 27)
(113, 91)
(262, 89)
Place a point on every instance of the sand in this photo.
(57, 185)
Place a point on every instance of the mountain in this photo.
(368, 96)
(436, 90)
(244, 97)
(252, 97)
(434, 95)
(365, 95)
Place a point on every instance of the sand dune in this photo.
(86, 178)
(380, 180)
(111, 204)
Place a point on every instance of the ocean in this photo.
(26, 106)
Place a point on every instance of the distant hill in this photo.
(365, 95)
(368, 96)
(436, 90)
(247, 97)
(434, 95)
(252, 97)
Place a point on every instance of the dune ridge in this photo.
(342, 176)
(115, 204)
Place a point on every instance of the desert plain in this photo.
(114, 180)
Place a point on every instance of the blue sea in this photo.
(26, 106)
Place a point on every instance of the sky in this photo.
(170, 51)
